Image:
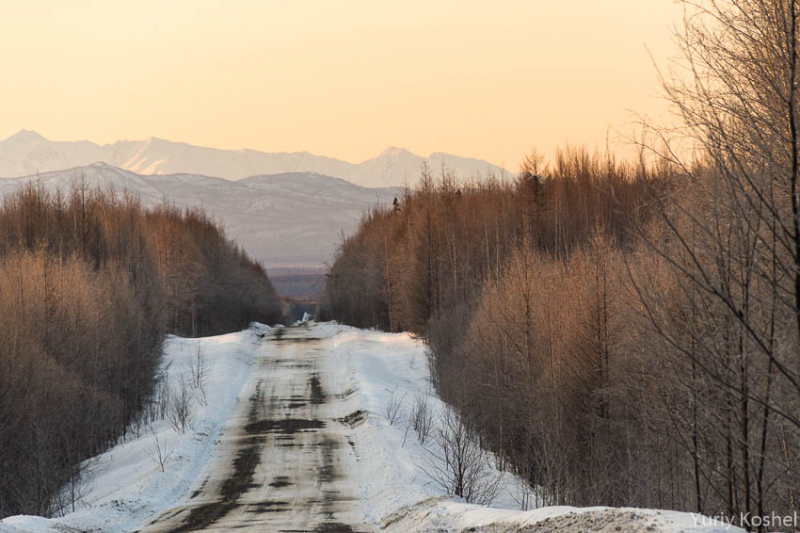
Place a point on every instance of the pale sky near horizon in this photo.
(343, 78)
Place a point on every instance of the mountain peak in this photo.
(394, 151)
(23, 136)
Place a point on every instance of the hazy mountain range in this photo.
(289, 210)
(27, 153)
(285, 220)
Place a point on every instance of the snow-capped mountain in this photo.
(284, 220)
(28, 153)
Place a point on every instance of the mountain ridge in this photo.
(28, 152)
(289, 220)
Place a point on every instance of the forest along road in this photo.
(284, 458)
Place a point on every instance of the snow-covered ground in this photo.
(125, 486)
(394, 466)
(389, 474)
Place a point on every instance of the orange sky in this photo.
(343, 78)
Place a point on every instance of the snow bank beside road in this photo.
(440, 515)
(394, 467)
(125, 486)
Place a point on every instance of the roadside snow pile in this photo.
(403, 472)
(445, 515)
(158, 462)
(400, 446)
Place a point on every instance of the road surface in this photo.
(284, 459)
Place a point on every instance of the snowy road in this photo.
(290, 433)
(284, 458)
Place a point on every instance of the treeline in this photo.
(614, 332)
(430, 253)
(90, 283)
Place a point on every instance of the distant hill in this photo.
(291, 220)
(27, 153)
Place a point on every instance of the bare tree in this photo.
(734, 306)
(421, 418)
(180, 406)
(393, 411)
(162, 396)
(159, 452)
(458, 464)
(197, 371)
